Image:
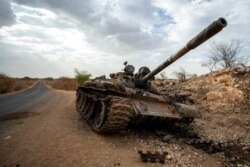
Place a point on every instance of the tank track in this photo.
(119, 114)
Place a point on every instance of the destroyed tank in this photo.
(109, 105)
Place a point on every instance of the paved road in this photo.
(15, 102)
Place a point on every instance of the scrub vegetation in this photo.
(9, 84)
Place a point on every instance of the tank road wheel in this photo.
(80, 101)
(88, 111)
(86, 105)
(100, 115)
(112, 116)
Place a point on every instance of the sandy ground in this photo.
(52, 133)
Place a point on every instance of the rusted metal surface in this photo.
(158, 109)
(148, 156)
(204, 35)
(189, 111)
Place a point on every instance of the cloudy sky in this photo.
(41, 38)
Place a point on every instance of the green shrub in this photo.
(82, 76)
(49, 79)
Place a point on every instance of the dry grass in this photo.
(62, 83)
(8, 84)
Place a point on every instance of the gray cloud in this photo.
(118, 22)
(7, 17)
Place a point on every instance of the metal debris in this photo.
(153, 157)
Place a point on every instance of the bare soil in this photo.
(52, 133)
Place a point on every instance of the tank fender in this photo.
(188, 111)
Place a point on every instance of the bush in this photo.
(49, 79)
(82, 76)
(26, 78)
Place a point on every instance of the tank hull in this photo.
(107, 109)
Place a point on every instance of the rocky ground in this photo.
(52, 133)
(223, 97)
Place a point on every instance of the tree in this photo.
(181, 74)
(225, 55)
(210, 64)
(82, 76)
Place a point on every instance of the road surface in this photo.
(14, 102)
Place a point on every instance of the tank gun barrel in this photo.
(204, 35)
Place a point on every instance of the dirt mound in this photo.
(222, 91)
(223, 97)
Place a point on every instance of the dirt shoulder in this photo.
(56, 136)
